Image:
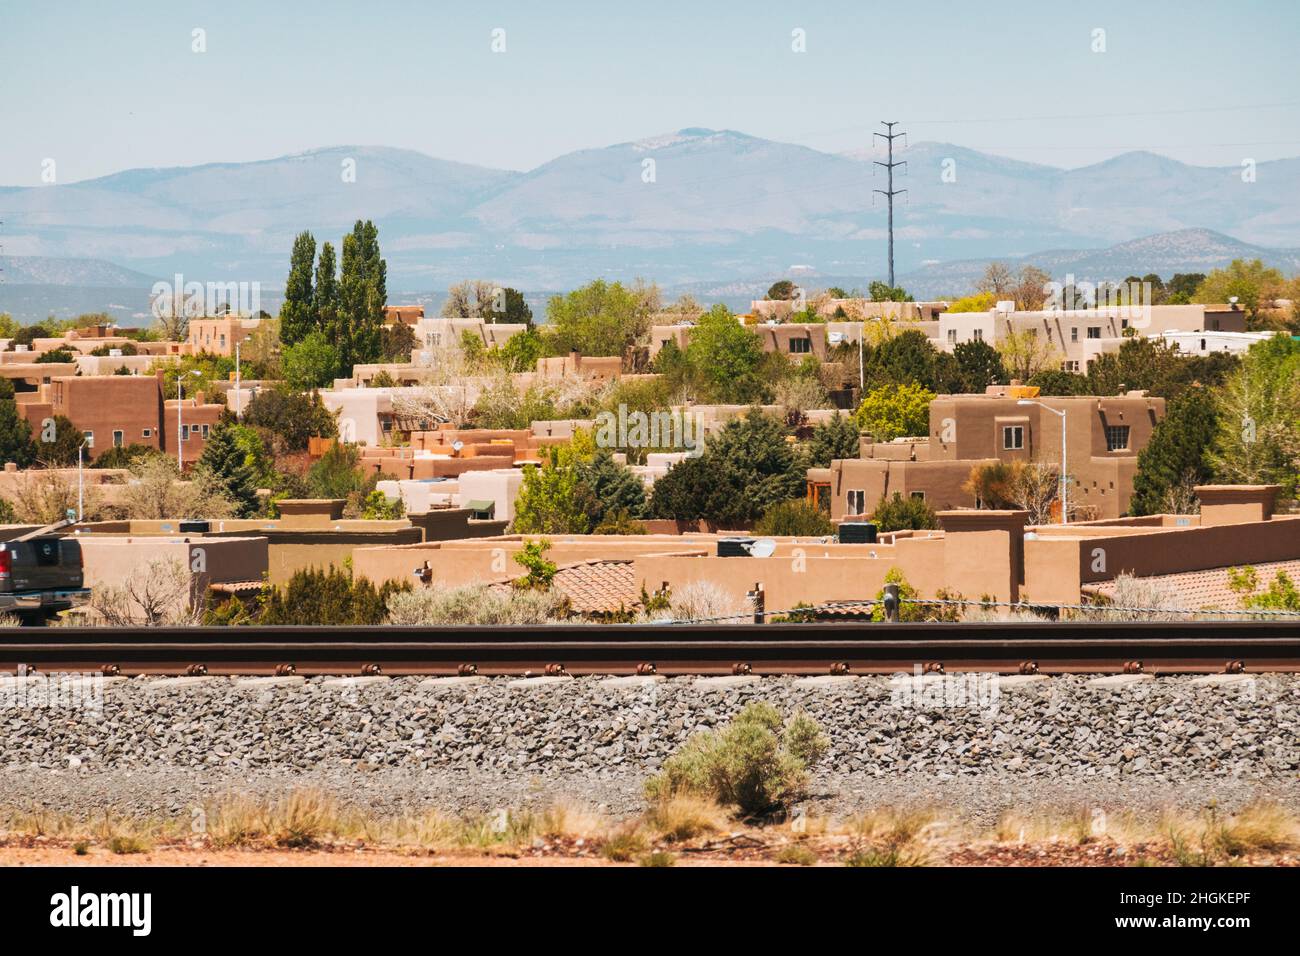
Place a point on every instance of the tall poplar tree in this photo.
(326, 301)
(297, 314)
(363, 293)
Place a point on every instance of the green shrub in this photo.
(897, 513)
(795, 518)
(757, 763)
(313, 596)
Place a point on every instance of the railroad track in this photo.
(1020, 647)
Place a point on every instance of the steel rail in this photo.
(1082, 647)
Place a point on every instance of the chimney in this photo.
(1236, 504)
(984, 551)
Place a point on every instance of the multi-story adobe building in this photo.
(1103, 436)
(1080, 335)
(435, 336)
(219, 335)
(118, 410)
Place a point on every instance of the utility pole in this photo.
(891, 192)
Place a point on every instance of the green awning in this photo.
(481, 505)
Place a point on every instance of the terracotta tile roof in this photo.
(594, 587)
(1209, 588)
(235, 587)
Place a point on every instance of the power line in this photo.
(891, 192)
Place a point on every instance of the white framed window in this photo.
(1074, 333)
(1094, 331)
(204, 432)
(119, 437)
(90, 439)
(1116, 437)
(146, 433)
(1013, 437)
(185, 433)
(856, 502)
(800, 346)
(918, 495)
(978, 335)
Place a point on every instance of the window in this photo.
(118, 438)
(90, 439)
(918, 495)
(433, 340)
(185, 433)
(979, 335)
(205, 432)
(801, 345)
(1094, 331)
(952, 336)
(146, 433)
(857, 502)
(1069, 366)
(223, 341)
(1013, 436)
(1074, 333)
(1116, 437)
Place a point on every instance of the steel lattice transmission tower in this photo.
(891, 192)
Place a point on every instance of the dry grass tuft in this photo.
(893, 837)
(685, 817)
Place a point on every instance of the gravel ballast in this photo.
(397, 744)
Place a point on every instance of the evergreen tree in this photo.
(606, 487)
(225, 463)
(363, 293)
(837, 438)
(297, 315)
(745, 468)
(61, 452)
(979, 366)
(326, 298)
(16, 443)
(1175, 459)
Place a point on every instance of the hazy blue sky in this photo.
(102, 87)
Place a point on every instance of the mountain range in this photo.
(694, 207)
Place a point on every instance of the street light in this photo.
(180, 445)
(1065, 508)
(81, 511)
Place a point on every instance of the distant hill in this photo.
(1186, 250)
(693, 206)
(48, 270)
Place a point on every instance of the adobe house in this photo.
(310, 534)
(1079, 335)
(979, 555)
(1103, 436)
(1236, 527)
(219, 336)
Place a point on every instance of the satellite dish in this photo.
(762, 548)
(457, 445)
